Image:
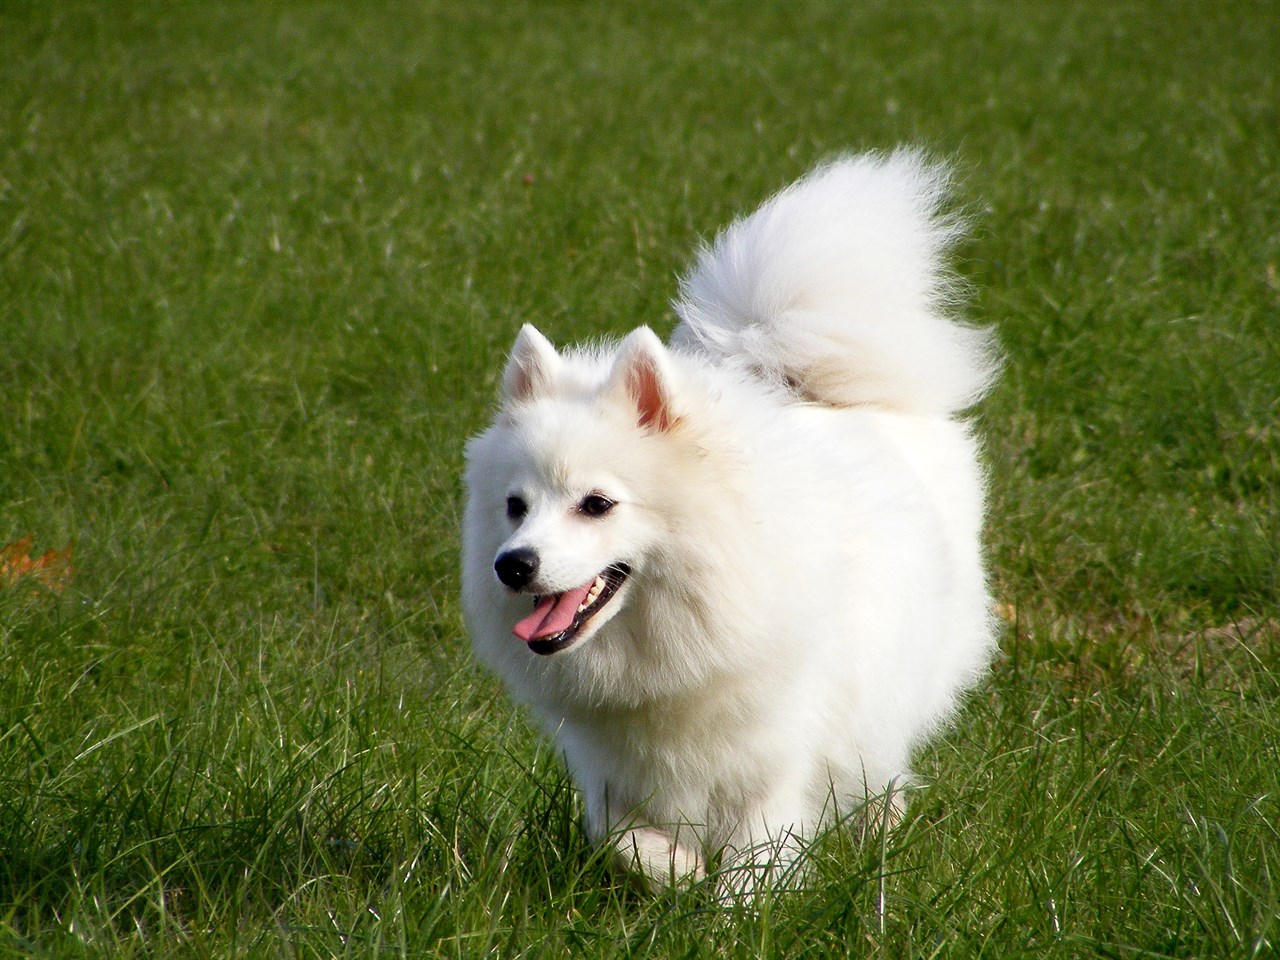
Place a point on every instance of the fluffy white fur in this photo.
(799, 509)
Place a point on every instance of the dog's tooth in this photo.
(593, 594)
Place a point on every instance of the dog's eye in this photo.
(516, 508)
(595, 505)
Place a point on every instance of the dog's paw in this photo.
(657, 858)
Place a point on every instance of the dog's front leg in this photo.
(764, 847)
(659, 856)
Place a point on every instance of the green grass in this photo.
(259, 265)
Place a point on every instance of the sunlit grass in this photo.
(259, 265)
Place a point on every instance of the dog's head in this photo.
(560, 514)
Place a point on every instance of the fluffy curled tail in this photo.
(838, 287)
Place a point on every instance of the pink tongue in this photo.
(553, 614)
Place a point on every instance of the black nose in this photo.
(516, 567)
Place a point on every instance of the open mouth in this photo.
(558, 618)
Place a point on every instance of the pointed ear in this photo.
(642, 377)
(532, 366)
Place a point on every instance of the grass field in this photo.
(259, 266)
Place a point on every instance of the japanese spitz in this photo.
(738, 577)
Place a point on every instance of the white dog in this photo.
(739, 579)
